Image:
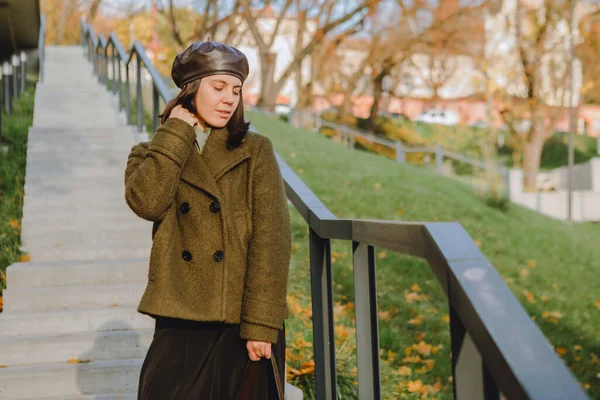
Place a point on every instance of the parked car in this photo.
(282, 109)
(435, 116)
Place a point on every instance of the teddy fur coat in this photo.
(221, 239)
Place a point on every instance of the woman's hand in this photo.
(257, 349)
(183, 114)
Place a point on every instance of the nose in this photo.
(229, 100)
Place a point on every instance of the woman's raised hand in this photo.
(183, 114)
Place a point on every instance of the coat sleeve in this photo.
(153, 169)
(264, 303)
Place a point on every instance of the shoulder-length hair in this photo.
(236, 126)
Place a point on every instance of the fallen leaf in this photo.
(293, 155)
(400, 212)
(529, 296)
(531, 264)
(524, 273)
(415, 288)
(3, 366)
(404, 370)
(421, 336)
(597, 303)
(25, 258)
(114, 305)
(14, 223)
(562, 351)
(411, 296)
(417, 320)
(76, 361)
(378, 185)
(423, 348)
(1, 303)
(382, 254)
(414, 386)
(577, 347)
(446, 318)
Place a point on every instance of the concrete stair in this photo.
(77, 298)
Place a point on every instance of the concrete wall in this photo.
(585, 204)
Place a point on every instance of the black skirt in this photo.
(189, 360)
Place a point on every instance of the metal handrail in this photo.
(496, 348)
(42, 46)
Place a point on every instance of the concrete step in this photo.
(63, 380)
(44, 274)
(54, 322)
(72, 297)
(47, 224)
(65, 253)
(120, 396)
(93, 346)
(92, 238)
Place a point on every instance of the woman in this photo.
(221, 238)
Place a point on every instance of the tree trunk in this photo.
(268, 94)
(345, 108)
(532, 154)
(377, 91)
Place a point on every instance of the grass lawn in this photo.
(551, 267)
(12, 172)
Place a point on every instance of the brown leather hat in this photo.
(202, 59)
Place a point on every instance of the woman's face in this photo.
(217, 98)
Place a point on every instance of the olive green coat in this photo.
(221, 238)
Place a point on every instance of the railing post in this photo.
(470, 378)
(127, 94)
(15, 75)
(367, 322)
(105, 62)
(120, 82)
(114, 69)
(23, 71)
(140, 105)
(154, 107)
(400, 154)
(322, 309)
(439, 158)
(7, 91)
(94, 52)
(352, 141)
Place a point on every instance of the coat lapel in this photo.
(204, 170)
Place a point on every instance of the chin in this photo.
(218, 124)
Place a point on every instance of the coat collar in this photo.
(204, 170)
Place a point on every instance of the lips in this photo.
(224, 114)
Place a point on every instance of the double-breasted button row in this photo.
(185, 207)
(218, 256)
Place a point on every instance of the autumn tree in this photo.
(328, 15)
(537, 79)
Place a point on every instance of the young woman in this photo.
(221, 238)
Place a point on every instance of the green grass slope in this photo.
(551, 267)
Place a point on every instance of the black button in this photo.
(218, 256)
(215, 207)
(187, 256)
(184, 207)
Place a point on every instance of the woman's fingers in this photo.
(267, 350)
(256, 350)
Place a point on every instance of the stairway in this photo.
(76, 300)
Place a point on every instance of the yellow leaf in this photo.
(586, 385)
(293, 155)
(400, 212)
(529, 296)
(524, 273)
(114, 305)
(414, 386)
(421, 336)
(415, 288)
(378, 185)
(562, 351)
(404, 370)
(25, 258)
(412, 360)
(14, 223)
(577, 347)
(446, 318)
(423, 348)
(76, 361)
(382, 254)
(3, 366)
(1, 303)
(544, 298)
(437, 387)
(478, 243)
(411, 296)
(429, 364)
(416, 321)
(597, 303)
(300, 172)
(531, 264)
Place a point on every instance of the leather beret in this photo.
(202, 59)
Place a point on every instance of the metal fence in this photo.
(13, 74)
(496, 348)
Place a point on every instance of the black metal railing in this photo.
(496, 348)
(110, 59)
(13, 73)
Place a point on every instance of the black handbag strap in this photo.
(249, 379)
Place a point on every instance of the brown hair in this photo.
(236, 126)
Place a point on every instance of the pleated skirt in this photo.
(189, 360)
